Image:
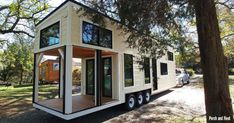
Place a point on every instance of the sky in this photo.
(53, 3)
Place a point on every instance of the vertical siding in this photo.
(119, 46)
(60, 15)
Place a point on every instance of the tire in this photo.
(188, 82)
(147, 96)
(182, 81)
(139, 99)
(130, 102)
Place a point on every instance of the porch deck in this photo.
(79, 102)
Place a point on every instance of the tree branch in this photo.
(232, 34)
(16, 31)
(3, 7)
(229, 6)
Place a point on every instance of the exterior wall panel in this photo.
(119, 46)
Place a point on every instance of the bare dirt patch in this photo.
(184, 104)
(178, 105)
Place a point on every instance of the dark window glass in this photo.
(107, 80)
(170, 56)
(147, 70)
(105, 38)
(128, 70)
(155, 78)
(90, 34)
(163, 67)
(49, 36)
(96, 36)
(90, 77)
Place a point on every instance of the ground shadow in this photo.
(40, 116)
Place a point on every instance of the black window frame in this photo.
(40, 44)
(147, 70)
(162, 68)
(99, 30)
(170, 56)
(132, 70)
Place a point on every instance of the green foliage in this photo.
(190, 71)
(151, 26)
(6, 73)
(17, 61)
(231, 71)
(229, 52)
(20, 16)
(188, 57)
(24, 91)
(226, 23)
(76, 76)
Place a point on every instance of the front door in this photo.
(107, 77)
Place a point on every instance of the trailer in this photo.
(109, 74)
(49, 70)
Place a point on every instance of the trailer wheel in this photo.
(147, 96)
(139, 99)
(130, 102)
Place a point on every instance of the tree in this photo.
(17, 59)
(6, 73)
(161, 19)
(20, 16)
(213, 61)
(226, 24)
(76, 75)
(229, 53)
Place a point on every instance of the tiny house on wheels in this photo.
(49, 70)
(109, 75)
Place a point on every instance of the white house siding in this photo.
(119, 46)
(61, 16)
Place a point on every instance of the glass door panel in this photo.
(107, 77)
(90, 77)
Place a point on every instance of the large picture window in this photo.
(96, 35)
(170, 56)
(49, 36)
(163, 67)
(147, 70)
(128, 70)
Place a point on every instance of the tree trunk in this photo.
(214, 63)
(21, 76)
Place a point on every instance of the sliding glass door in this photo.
(107, 77)
(90, 78)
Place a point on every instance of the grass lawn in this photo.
(17, 100)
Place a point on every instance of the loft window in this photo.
(128, 70)
(163, 67)
(105, 38)
(170, 56)
(147, 70)
(90, 34)
(95, 35)
(49, 36)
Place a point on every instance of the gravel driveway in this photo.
(176, 104)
